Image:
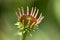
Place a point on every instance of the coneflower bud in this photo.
(27, 21)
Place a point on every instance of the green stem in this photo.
(24, 36)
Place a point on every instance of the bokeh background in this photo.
(49, 29)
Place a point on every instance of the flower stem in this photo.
(24, 36)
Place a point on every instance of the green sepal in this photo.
(20, 25)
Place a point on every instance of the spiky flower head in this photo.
(28, 20)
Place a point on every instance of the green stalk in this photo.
(24, 36)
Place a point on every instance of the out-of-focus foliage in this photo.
(49, 29)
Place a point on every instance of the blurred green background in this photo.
(49, 29)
